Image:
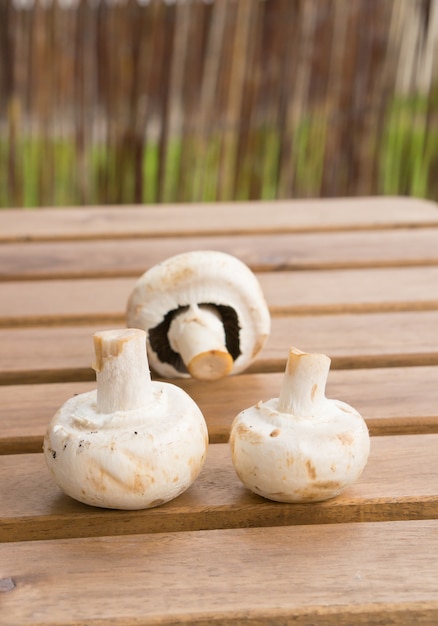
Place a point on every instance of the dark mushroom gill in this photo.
(160, 344)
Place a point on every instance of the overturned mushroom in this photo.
(204, 313)
(132, 443)
(302, 446)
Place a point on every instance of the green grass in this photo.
(41, 171)
(409, 154)
(309, 150)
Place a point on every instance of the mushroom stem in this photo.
(122, 370)
(198, 335)
(303, 387)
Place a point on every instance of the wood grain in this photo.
(92, 301)
(62, 354)
(279, 252)
(399, 482)
(216, 218)
(336, 575)
(354, 278)
(392, 401)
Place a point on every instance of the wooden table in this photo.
(356, 279)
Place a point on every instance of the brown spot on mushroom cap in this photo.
(177, 274)
(242, 429)
(278, 495)
(244, 432)
(102, 478)
(196, 466)
(345, 438)
(328, 484)
(259, 345)
(137, 485)
(310, 468)
(319, 490)
(97, 480)
(157, 502)
(275, 432)
(304, 495)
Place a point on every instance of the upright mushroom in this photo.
(132, 443)
(204, 313)
(301, 446)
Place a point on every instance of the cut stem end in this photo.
(303, 387)
(210, 365)
(122, 370)
(198, 336)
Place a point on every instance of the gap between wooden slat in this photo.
(334, 214)
(393, 401)
(48, 321)
(30, 377)
(88, 301)
(283, 252)
(319, 575)
(352, 341)
(259, 268)
(220, 232)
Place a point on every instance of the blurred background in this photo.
(140, 101)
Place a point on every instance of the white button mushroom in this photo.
(204, 313)
(132, 443)
(302, 446)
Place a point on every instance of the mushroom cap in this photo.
(291, 458)
(204, 277)
(132, 459)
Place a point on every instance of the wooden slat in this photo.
(333, 291)
(62, 354)
(392, 401)
(130, 258)
(334, 575)
(356, 279)
(399, 482)
(216, 218)
(356, 340)
(57, 302)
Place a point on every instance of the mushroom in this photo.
(301, 446)
(132, 443)
(204, 313)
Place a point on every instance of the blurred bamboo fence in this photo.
(122, 101)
